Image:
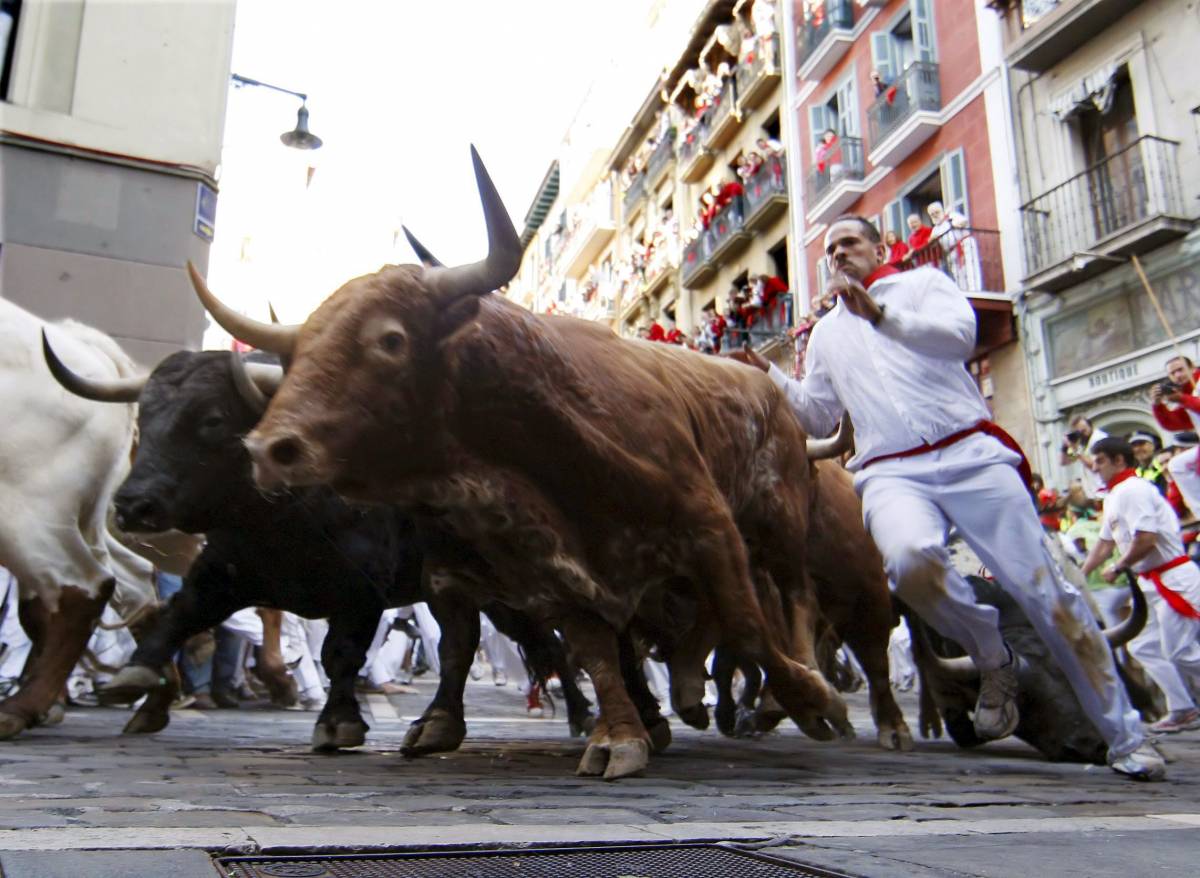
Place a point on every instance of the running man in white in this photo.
(1140, 523)
(891, 354)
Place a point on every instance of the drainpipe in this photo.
(787, 117)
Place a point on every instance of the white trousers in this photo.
(431, 635)
(1149, 649)
(502, 654)
(295, 649)
(908, 507)
(902, 671)
(1183, 470)
(12, 634)
(1179, 634)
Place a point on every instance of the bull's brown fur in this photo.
(589, 471)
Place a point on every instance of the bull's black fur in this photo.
(305, 551)
(1052, 720)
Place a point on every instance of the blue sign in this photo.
(206, 211)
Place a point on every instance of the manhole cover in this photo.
(638, 861)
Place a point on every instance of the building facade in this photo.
(1109, 158)
(900, 109)
(109, 146)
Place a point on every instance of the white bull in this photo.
(61, 460)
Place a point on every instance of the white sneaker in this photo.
(1144, 763)
(996, 713)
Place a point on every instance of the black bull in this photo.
(1052, 720)
(306, 551)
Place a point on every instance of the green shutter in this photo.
(954, 183)
(924, 38)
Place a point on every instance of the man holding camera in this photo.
(1076, 448)
(1177, 408)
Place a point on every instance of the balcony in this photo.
(766, 326)
(728, 230)
(756, 79)
(971, 257)
(1060, 32)
(1128, 204)
(634, 196)
(660, 159)
(696, 267)
(832, 189)
(906, 115)
(596, 226)
(694, 159)
(725, 121)
(766, 193)
(824, 39)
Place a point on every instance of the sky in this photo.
(398, 91)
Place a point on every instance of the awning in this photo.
(1094, 92)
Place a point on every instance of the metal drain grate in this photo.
(626, 861)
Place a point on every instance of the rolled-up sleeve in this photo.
(812, 398)
(942, 327)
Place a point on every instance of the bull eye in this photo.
(212, 422)
(392, 342)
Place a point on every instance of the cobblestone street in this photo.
(246, 781)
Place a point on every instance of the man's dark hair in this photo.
(1114, 447)
(868, 227)
(1187, 360)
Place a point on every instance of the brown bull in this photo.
(593, 474)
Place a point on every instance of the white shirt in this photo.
(903, 381)
(1093, 486)
(1135, 505)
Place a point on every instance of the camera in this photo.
(1074, 437)
(1169, 387)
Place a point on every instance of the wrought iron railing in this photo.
(844, 162)
(695, 256)
(1125, 189)
(821, 21)
(763, 325)
(768, 181)
(728, 222)
(970, 256)
(917, 88)
(635, 193)
(692, 143)
(662, 155)
(724, 105)
(764, 63)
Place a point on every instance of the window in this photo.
(771, 127)
(10, 17)
(910, 39)
(947, 184)
(839, 112)
(779, 262)
(1116, 175)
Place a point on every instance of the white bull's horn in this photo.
(1123, 632)
(97, 389)
(276, 338)
(504, 248)
(427, 258)
(836, 445)
(256, 383)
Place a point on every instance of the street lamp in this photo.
(299, 137)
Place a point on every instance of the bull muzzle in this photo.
(283, 460)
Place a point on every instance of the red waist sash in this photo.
(1174, 599)
(988, 427)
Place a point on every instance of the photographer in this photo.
(1076, 448)
(1177, 408)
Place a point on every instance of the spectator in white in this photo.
(762, 17)
(1077, 448)
(891, 355)
(952, 233)
(1138, 522)
(1176, 407)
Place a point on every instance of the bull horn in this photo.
(960, 668)
(96, 389)
(1123, 632)
(427, 258)
(836, 445)
(255, 382)
(504, 247)
(276, 338)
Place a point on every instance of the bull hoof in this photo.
(55, 715)
(11, 725)
(660, 735)
(627, 758)
(725, 718)
(283, 694)
(343, 735)
(766, 720)
(147, 722)
(745, 723)
(816, 728)
(695, 715)
(436, 732)
(581, 726)
(130, 684)
(896, 738)
(594, 761)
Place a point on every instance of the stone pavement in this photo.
(246, 781)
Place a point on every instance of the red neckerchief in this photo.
(881, 272)
(1121, 476)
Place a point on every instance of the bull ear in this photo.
(456, 317)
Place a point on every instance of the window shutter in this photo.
(883, 56)
(924, 37)
(820, 117)
(954, 183)
(893, 215)
(847, 98)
